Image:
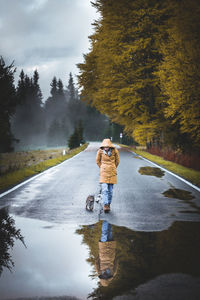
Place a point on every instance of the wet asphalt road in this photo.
(138, 202)
(157, 236)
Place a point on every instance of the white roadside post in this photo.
(121, 135)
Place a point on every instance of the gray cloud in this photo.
(47, 54)
(49, 35)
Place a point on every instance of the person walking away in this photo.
(108, 160)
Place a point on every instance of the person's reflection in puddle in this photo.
(106, 266)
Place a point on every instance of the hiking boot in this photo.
(106, 207)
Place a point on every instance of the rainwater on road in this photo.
(146, 248)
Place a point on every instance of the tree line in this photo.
(26, 121)
(143, 70)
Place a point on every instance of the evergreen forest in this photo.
(143, 70)
(28, 122)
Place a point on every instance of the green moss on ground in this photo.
(14, 177)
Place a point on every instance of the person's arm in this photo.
(117, 159)
(98, 158)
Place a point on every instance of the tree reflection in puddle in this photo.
(8, 235)
(139, 257)
(120, 260)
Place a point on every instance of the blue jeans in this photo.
(107, 191)
(106, 232)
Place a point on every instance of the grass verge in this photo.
(191, 175)
(12, 178)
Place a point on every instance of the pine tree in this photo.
(36, 90)
(55, 107)
(39, 122)
(21, 87)
(61, 99)
(60, 88)
(7, 105)
(54, 88)
(71, 88)
(28, 121)
(74, 139)
(75, 107)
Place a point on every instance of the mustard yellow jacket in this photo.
(107, 164)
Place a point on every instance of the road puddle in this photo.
(53, 263)
(183, 195)
(99, 261)
(178, 194)
(151, 171)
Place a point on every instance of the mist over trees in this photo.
(143, 70)
(28, 122)
(64, 112)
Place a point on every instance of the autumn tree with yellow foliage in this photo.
(179, 71)
(128, 73)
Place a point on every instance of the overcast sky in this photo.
(50, 35)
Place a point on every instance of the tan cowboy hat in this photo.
(107, 143)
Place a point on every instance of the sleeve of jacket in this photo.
(117, 159)
(98, 158)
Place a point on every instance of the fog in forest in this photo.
(28, 121)
(39, 124)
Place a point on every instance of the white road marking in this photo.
(180, 178)
(36, 176)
